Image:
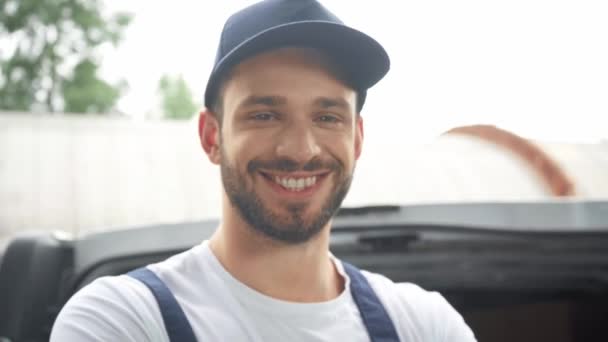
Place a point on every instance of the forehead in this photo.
(301, 75)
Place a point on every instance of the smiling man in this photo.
(283, 123)
(286, 140)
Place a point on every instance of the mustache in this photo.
(289, 165)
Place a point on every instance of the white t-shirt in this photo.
(220, 308)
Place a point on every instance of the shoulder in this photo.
(117, 308)
(421, 314)
(121, 308)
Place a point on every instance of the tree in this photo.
(49, 56)
(176, 98)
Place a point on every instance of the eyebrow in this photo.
(328, 102)
(268, 100)
(275, 101)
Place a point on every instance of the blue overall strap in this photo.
(377, 321)
(176, 323)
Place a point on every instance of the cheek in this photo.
(344, 153)
(344, 145)
(256, 142)
(240, 150)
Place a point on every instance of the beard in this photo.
(293, 227)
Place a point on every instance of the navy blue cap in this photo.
(272, 24)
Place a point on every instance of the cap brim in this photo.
(361, 57)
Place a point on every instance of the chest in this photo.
(236, 322)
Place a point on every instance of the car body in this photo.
(533, 271)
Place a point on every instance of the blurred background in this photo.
(485, 101)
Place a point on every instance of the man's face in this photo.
(289, 142)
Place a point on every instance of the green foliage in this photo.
(48, 60)
(85, 93)
(176, 97)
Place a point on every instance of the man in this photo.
(283, 123)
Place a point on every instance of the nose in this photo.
(298, 143)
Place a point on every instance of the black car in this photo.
(534, 271)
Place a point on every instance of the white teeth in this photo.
(295, 184)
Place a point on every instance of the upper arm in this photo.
(448, 323)
(110, 309)
(435, 317)
(420, 315)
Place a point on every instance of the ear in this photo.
(358, 137)
(208, 132)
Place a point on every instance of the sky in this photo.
(535, 67)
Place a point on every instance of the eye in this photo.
(328, 118)
(263, 116)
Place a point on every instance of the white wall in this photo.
(87, 173)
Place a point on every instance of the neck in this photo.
(299, 273)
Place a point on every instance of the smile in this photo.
(295, 183)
